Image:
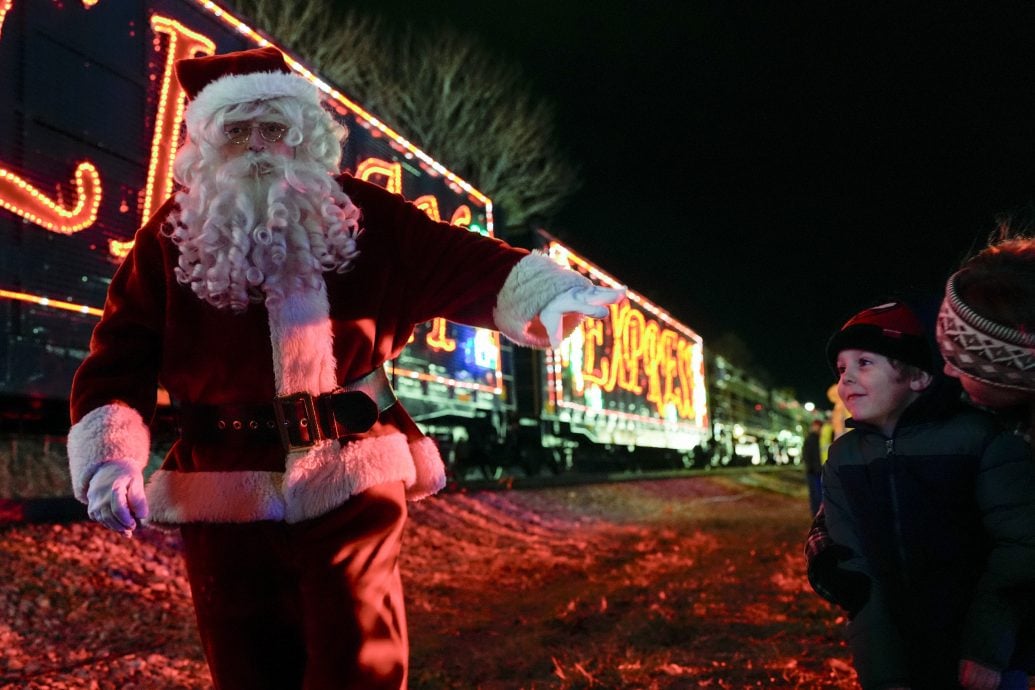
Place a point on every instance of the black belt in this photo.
(297, 421)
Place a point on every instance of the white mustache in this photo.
(252, 164)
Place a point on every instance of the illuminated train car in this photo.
(752, 424)
(632, 382)
(639, 391)
(788, 426)
(623, 393)
(741, 407)
(87, 140)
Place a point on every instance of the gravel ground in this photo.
(678, 583)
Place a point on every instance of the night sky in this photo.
(769, 168)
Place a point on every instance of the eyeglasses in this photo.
(238, 133)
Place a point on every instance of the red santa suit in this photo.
(156, 331)
(244, 502)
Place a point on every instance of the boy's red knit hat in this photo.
(891, 329)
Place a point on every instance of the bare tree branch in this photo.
(444, 91)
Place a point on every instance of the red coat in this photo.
(156, 331)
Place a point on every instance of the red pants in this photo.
(310, 606)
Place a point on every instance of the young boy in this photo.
(937, 507)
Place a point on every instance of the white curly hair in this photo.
(255, 226)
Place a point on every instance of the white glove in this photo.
(589, 301)
(116, 496)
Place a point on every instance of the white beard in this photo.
(257, 226)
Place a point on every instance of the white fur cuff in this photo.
(111, 432)
(431, 472)
(531, 285)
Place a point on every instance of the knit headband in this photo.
(983, 349)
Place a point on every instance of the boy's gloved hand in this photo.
(975, 676)
(848, 589)
(115, 497)
(590, 301)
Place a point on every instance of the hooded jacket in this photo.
(155, 331)
(941, 518)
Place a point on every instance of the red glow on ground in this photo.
(683, 583)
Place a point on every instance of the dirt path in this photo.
(682, 583)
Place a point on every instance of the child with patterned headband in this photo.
(986, 328)
(986, 334)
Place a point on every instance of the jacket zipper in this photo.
(889, 447)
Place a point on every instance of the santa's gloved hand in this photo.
(587, 301)
(115, 497)
(975, 676)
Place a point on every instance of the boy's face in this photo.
(873, 390)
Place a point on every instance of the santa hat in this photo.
(217, 81)
(891, 329)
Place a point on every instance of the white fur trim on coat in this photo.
(110, 432)
(531, 284)
(316, 482)
(178, 497)
(322, 479)
(303, 342)
(245, 88)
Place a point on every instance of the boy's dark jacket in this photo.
(941, 518)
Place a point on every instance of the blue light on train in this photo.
(483, 350)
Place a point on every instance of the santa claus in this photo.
(265, 297)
